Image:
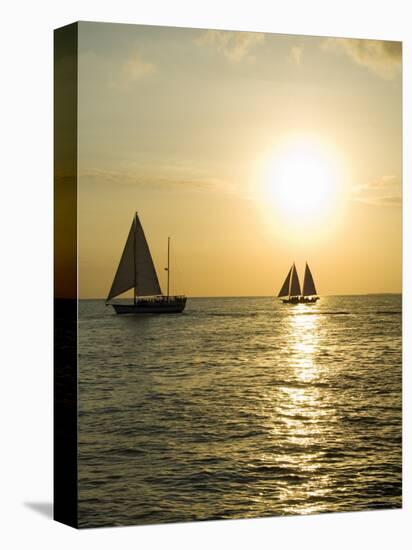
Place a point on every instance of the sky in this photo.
(251, 151)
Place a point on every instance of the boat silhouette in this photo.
(291, 292)
(136, 271)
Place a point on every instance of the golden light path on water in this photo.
(304, 417)
(305, 403)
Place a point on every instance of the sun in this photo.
(302, 179)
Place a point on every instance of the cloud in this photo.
(382, 57)
(389, 200)
(235, 46)
(135, 68)
(156, 182)
(295, 54)
(386, 190)
(397, 201)
(384, 182)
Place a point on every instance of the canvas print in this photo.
(228, 308)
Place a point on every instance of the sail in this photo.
(136, 268)
(309, 288)
(284, 291)
(295, 285)
(147, 283)
(124, 279)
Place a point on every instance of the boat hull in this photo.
(301, 300)
(144, 307)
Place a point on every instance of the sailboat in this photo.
(291, 292)
(136, 271)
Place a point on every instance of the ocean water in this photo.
(239, 407)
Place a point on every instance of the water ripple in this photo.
(239, 408)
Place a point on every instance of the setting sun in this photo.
(302, 179)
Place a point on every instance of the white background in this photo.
(26, 271)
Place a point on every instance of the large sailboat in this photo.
(136, 271)
(291, 292)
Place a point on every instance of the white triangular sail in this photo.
(284, 291)
(309, 288)
(295, 285)
(136, 268)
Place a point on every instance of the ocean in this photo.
(239, 408)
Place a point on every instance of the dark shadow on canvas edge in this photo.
(43, 508)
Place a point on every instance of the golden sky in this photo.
(250, 150)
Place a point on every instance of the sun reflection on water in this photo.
(304, 417)
(305, 344)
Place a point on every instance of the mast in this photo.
(134, 259)
(168, 266)
(291, 277)
(295, 285)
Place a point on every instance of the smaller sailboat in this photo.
(291, 292)
(136, 271)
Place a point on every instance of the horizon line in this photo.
(264, 295)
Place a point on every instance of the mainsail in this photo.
(295, 285)
(309, 288)
(136, 268)
(284, 291)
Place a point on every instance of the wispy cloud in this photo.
(386, 190)
(396, 201)
(133, 69)
(235, 46)
(156, 182)
(295, 54)
(382, 57)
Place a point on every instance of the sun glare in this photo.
(302, 180)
